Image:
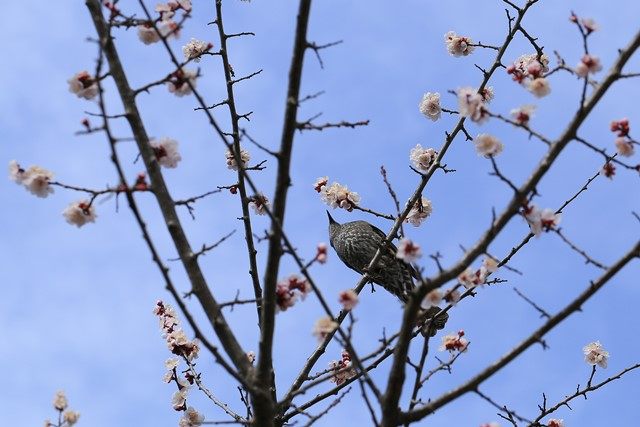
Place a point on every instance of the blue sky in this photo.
(77, 303)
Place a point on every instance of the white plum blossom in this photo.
(342, 369)
(171, 363)
(430, 106)
(80, 213)
(470, 278)
(148, 34)
(60, 401)
(540, 220)
(338, 195)
(320, 184)
(458, 45)
(452, 296)
(35, 179)
(184, 4)
(624, 147)
(195, 48)
(539, 87)
(166, 151)
(595, 354)
(432, 299)
(191, 418)
(231, 160)
(165, 10)
(487, 94)
(83, 85)
(454, 342)
(348, 299)
(321, 253)
(590, 25)
(289, 290)
(422, 158)
(251, 355)
(169, 28)
(178, 83)
(175, 337)
(408, 251)
(589, 64)
(523, 114)
(419, 211)
(323, 327)
(487, 145)
(179, 399)
(471, 104)
(16, 173)
(259, 203)
(70, 417)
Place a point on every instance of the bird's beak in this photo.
(331, 220)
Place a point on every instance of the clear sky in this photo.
(76, 303)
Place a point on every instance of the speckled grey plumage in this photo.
(356, 244)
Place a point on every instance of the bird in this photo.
(357, 242)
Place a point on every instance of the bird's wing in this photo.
(394, 249)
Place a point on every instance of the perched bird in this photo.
(356, 244)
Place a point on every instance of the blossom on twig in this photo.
(80, 213)
(458, 45)
(595, 354)
(408, 251)
(83, 85)
(422, 158)
(420, 211)
(166, 152)
(338, 195)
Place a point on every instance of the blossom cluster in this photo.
(67, 417)
(554, 422)
(166, 152)
(623, 143)
(540, 220)
(454, 342)
(529, 70)
(595, 354)
(289, 290)
(166, 26)
(408, 251)
(458, 45)
(422, 158)
(336, 195)
(35, 179)
(470, 278)
(420, 211)
(342, 369)
(176, 338)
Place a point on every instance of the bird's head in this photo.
(333, 227)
